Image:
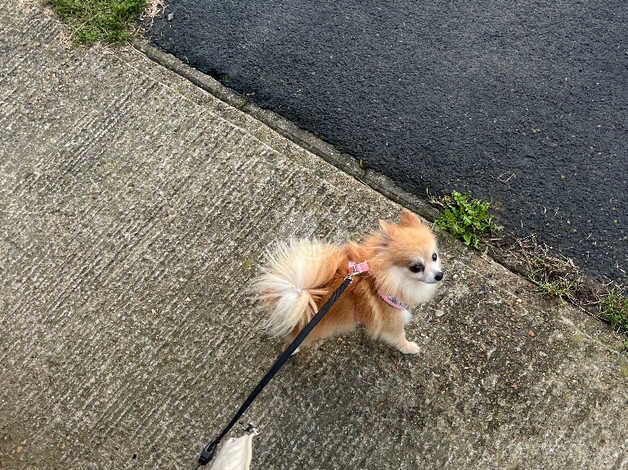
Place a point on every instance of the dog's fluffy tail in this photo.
(294, 280)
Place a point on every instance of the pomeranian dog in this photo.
(403, 271)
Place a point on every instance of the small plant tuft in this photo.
(90, 21)
(465, 218)
(615, 309)
(562, 288)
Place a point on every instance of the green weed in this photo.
(465, 218)
(562, 288)
(615, 309)
(90, 21)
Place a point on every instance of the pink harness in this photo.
(393, 301)
(359, 268)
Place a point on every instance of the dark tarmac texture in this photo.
(520, 103)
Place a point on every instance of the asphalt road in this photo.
(522, 103)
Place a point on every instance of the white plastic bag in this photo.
(235, 454)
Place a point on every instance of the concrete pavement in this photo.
(134, 211)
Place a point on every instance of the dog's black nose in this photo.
(438, 276)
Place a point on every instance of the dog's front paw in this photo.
(410, 347)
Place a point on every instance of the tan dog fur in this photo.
(301, 275)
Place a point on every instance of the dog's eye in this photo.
(416, 268)
(434, 257)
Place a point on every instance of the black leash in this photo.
(210, 449)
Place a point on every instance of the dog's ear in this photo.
(409, 219)
(385, 227)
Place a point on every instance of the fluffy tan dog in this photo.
(404, 270)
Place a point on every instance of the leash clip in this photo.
(357, 268)
(207, 454)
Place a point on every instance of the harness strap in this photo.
(394, 302)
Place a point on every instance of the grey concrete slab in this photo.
(134, 212)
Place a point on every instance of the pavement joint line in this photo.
(190, 100)
(139, 49)
(229, 97)
(346, 163)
